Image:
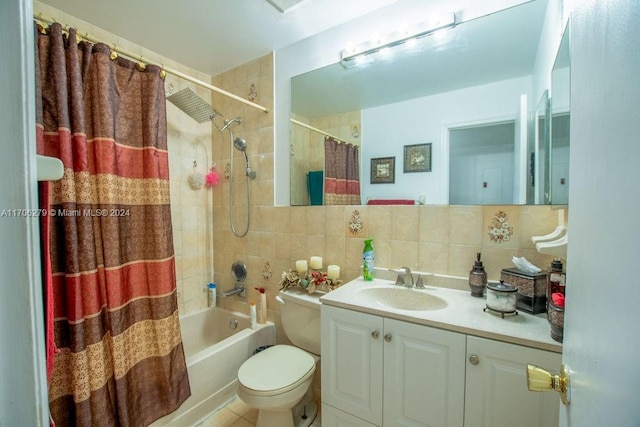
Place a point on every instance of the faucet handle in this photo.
(400, 278)
(419, 282)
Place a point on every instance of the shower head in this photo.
(240, 144)
(229, 122)
(194, 106)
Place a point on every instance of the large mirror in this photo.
(560, 117)
(451, 90)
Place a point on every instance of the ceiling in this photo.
(213, 36)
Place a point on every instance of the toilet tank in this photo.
(300, 313)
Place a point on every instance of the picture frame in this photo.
(383, 170)
(417, 158)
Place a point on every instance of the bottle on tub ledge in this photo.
(262, 306)
(254, 315)
(368, 260)
(212, 294)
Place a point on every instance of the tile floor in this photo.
(234, 414)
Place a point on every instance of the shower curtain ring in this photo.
(163, 73)
(114, 53)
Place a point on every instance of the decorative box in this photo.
(532, 289)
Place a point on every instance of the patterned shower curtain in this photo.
(342, 176)
(118, 358)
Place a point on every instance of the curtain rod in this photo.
(304, 125)
(131, 55)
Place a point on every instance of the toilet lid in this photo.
(278, 367)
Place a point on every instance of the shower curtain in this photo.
(118, 358)
(342, 176)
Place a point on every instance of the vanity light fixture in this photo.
(365, 53)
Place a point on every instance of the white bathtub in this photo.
(214, 353)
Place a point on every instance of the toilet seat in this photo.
(276, 370)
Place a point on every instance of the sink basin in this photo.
(400, 298)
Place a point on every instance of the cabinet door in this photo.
(332, 417)
(496, 386)
(352, 362)
(424, 374)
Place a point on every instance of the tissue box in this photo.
(532, 289)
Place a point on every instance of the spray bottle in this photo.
(367, 260)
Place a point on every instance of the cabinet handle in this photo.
(388, 337)
(474, 359)
(375, 335)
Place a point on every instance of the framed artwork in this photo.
(417, 158)
(383, 170)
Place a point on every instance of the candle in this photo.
(333, 272)
(316, 262)
(301, 266)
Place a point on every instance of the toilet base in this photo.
(305, 412)
(304, 415)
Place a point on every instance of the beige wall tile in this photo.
(405, 223)
(334, 221)
(433, 258)
(379, 222)
(465, 225)
(461, 258)
(434, 224)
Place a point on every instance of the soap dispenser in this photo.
(477, 278)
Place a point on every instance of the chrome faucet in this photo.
(405, 278)
(238, 289)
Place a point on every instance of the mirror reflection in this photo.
(560, 118)
(458, 85)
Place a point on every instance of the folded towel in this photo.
(391, 202)
(315, 181)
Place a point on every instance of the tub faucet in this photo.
(238, 289)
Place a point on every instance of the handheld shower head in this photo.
(240, 144)
(229, 122)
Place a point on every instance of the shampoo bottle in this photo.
(262, 306)
(367, 260)
(212, 294)
(252, 309)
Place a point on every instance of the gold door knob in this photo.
(539, 379)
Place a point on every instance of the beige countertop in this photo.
(463, 314)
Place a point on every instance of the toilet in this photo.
(277, 381)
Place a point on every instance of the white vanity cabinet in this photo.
(390, 373)
(378, 371)
(496, 386)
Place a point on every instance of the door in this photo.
(352, 381)
(601, 339)
(423, 376)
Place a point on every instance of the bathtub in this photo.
(214, 350)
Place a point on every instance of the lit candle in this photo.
(333, 272)
(301, 266)
(316, 262)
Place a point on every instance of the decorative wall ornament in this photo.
(253, 92)
(266, 271)
(355, 223)
(499, 229)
